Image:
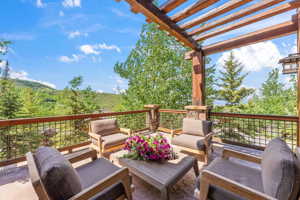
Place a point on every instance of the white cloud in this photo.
(40, 4)
(71, 3)
(109, 47)
(89, 49)
(99, 91)
(71, 59)
(94, 49)
(61, 13)
(118, 90)
(75, 34)
(255, 57)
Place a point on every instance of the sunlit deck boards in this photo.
(15, 183)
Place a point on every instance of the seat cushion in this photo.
(114, 139)
(97, 170)
(278, 169)
(196, 127)
(60, 179)
(104, 126)
(240, 173)
(189, 141)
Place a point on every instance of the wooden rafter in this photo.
(192, 9)
(237, 15)
(268, 33)
(261, 16)
(171, 5)
(214, 13)
(156, 15)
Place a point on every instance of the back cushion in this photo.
(104, 126)
(60, 179)
(278, 169)
(196, 127)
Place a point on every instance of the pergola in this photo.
(192, 32)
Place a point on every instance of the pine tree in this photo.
(10, 102)
(231, 80)
(80, 100)
(156, 72)
(274, 97)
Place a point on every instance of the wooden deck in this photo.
(14, 181)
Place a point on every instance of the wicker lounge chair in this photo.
(195, 138)
(106, 136)
(54, 178)
(278, 177)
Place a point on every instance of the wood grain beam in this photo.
(171, 5)
(154, 14)
(298, 77)
(261, 16)
(268, 33)
(198, 79)
(192, 9)
(226, 7)
(237, 15)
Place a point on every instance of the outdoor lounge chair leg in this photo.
(165, 194)
(196, 168)
(127, 182)
(204, 186)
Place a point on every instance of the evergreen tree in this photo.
(156, 72)
(10, 102)
(80, 100)
(274, 97)
(231, 80)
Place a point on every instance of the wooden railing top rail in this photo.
(237, 115)
(256, 116)
(13, 122)
(172, 111)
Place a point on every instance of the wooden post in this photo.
(298, 77)
(153, 117)
(198, 97)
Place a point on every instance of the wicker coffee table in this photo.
(161, 175)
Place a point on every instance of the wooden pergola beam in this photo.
(171, 5)
(214, 13)
(192, 9)
(285, 28)
(237, 15)
(156, 15)
(261, 16)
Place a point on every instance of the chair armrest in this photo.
(120, 175)
(126, 130)
(175, 131)
(94, 135)
(243, 156)
(211, 178)
(76, 157)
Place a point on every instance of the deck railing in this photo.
(242, 129)
(18, 136)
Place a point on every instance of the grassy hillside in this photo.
(108, 101)
(30, 84)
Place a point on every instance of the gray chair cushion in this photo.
(240, 173)
(114, 139)
(104, 126)
(196, 127)
(189, 141)
(60, 179)
(278, 169)
(97, 170)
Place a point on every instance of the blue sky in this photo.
(55, 40)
